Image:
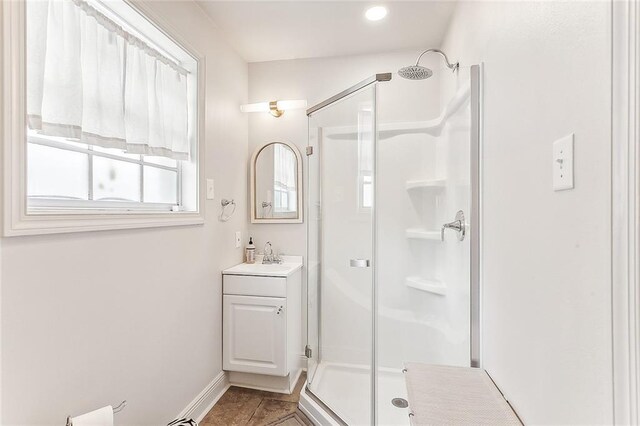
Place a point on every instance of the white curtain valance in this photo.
(89, 79)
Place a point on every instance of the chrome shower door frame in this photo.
(350, 91)
(364, 84)
(476, 213)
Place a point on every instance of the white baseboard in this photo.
(263, 382)
(202, 404)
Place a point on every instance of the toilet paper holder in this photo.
(116, 410)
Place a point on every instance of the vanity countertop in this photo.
(289, 265)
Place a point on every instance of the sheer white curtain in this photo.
(89, 79)
(285, 178)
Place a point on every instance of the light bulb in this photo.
(376, 13)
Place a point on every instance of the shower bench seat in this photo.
(455, 395)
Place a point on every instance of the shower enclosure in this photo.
(393, 231)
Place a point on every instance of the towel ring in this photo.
(120, 407)
(225, 203)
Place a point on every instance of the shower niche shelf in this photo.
(435, 185)
(423, 234)
(430, 286)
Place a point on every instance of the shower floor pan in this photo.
(346, 389)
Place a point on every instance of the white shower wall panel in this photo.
(414, 324)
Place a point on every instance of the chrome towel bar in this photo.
(116, 410)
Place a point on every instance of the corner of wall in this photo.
(206, 399)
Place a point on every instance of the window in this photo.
(285, 166)
(366, 186)
(365, 157)
(67, 174)
(111, 112)
(110, 138)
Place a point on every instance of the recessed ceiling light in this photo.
(376, 13)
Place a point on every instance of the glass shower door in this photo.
(340, 255)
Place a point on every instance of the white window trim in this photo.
(16, 219)
(625, 224)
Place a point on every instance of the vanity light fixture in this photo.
(376, 13)
(275, 108)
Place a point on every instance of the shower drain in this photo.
(400, 402)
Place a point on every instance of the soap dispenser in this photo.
(250, 252)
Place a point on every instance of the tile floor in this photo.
(241, 406)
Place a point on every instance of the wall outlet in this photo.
(238, 239)
(563, 163)
(210, 189)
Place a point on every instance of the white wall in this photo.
(547, 304)
(2, 94)
(90, 319)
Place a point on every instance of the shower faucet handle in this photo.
(458, 225)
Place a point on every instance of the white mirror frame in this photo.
(252, 183)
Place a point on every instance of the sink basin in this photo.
(266, 270)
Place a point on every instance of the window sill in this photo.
(41, 224)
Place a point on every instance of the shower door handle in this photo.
(360, 263)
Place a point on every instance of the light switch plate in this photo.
(563, 163)
(210, 189)
(238, 239)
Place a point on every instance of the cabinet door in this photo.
(255, 335)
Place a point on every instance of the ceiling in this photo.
(275, 30)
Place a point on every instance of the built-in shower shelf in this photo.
(423, 234)
(430, 286)
(430, 185)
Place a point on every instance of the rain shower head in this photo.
(418, 72)
(415, 72)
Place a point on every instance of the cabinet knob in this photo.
(279, 310)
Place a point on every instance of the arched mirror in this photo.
(276, 184)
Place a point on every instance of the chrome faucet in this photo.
(457, 225)
(268, 257)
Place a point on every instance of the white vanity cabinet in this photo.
(255, 338)
(262, 334)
